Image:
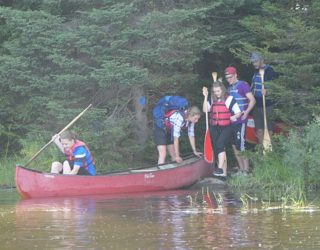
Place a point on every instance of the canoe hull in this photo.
(35, 184)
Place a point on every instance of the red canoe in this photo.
(278, 128)
(32, 183)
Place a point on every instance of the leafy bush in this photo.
(290, 169)
(302, 153)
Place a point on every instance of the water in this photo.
(166, 220)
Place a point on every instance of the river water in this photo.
(165, 220)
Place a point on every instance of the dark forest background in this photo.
(57, 57)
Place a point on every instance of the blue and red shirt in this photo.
(239, 92)
(81, 156)
(175, 121)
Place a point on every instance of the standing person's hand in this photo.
(264, 91)
(233, 118)
(244, 115)
(198, 154)
(178, 159)
(205, 91)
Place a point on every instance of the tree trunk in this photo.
(140, 105)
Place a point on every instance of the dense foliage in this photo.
(288, 171)
(56, 57)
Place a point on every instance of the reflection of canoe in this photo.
(32, 183)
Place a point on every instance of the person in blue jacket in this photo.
(78, 161)
(258, 90)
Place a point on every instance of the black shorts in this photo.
(162, 137)
(258, 117)
(221, 137)
(82, 171)
(239, 135)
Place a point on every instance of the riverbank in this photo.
(210, 182)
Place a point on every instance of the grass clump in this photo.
(289, 171)
(7, 171)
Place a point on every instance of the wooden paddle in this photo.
(267, 146)
(208, 150)
(64, 129)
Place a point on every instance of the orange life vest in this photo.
(70, 154)
(220, 114)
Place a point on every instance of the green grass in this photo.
(7, 171)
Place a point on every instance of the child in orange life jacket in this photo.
(222, 110)
(169, 138)
(79, 159)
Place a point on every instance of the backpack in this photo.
(166, 104)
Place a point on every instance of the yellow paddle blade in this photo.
(214, 76)
(266, 143)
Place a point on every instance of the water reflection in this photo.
(55, 222)
(124, 221)
(163, 220)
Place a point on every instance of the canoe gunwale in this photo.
(138, 170)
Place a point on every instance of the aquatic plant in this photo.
(252, 204)
(207, 200)
(248, 202)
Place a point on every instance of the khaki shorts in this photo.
(257, 114)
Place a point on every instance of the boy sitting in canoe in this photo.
(79, 159)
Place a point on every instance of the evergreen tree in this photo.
(286, 32)
(122, 56)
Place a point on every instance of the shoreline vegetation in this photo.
(287, 174)
(211, 201)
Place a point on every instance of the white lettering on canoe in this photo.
(149, 176)
(49, 176)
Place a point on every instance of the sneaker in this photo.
(244, 173)
(241, 173)
(218, 172)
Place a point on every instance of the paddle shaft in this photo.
(266, 136)
(64, 129)
(214, 77)
(207, 119)
(261, 71)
